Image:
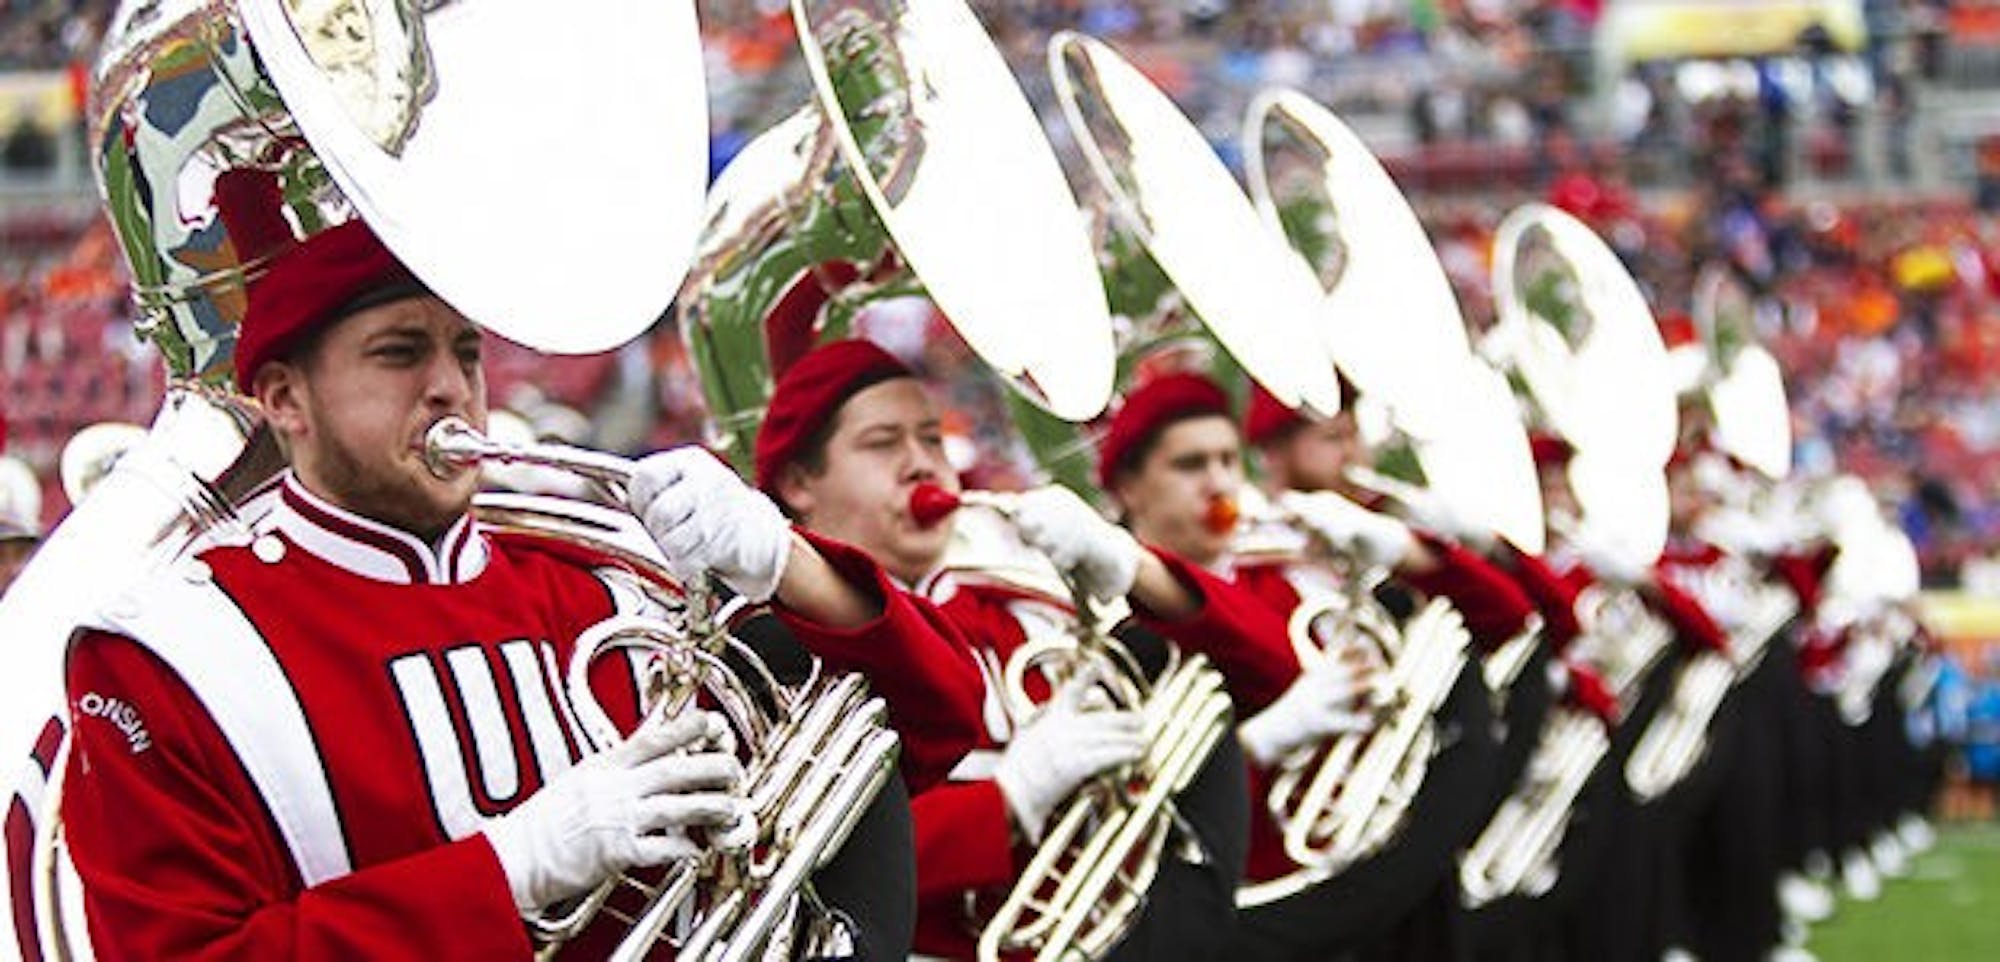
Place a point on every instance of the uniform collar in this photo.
(937, 587)
(374, 550)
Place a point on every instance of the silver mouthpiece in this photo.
(452, 445)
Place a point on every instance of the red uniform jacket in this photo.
(965, 840)
(310, 730)
(1693, 629)
(1805, 573)
(1553, 597)
(1495, 609)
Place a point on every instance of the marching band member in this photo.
(1776, 540)
(1170, 452)
(1484, 575)
(1310, 457)
(1736, 852)
(348, 737)
(848, 437)
(1305, 463)
(1644, 846)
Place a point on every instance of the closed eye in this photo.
(399, 353)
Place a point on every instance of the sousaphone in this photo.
(223, 131)
(1575, 332)
(1164, 187)
(918, 169)
(1390, 322)
(1389, 318)
(1573, 326)
(1744, 387)
(1569, 326)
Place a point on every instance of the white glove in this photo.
(1433, 513)
(706, 519)
(1057, 750)
(1321, 703)
(1376, 539)
(1741, 532)
(625, 808)
(1102, 556)
(1608, 562)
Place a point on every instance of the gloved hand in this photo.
(1060, 748)
(619, 809)
(1101, 555)
(707, 520)
(1432, 513)
(1741, 532)
(1725, 597)
(1375, 539)
(1608, 561)
(1323, 701)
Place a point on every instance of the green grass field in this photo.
(1947, 909)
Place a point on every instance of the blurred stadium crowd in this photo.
(1882, 300)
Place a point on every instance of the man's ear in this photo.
(1114, 495)
(1272, 459)
(795, 493)
(279, 388)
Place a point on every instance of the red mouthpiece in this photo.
(1222, 515)
(930, 504)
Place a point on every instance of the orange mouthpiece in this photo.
(1222, 514)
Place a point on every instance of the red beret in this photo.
(1148, 410)
(1267, 418)
(1549, 449)
(319, 280)
(810, 393)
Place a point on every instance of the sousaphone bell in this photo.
(225, 131)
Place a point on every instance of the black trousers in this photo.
(1521, 929)
(1849, 796)
(1619, 919)
(1807, 792)
(872, 881)
(1735, 844)
(1684, 865)
(1191, 909)
(1884, 750)
(1360, 910)
(1521, 715)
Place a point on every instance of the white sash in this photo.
(198, 631)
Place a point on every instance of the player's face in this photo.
(1557, 498)
(1686, 501)
(355, 411)
(886, 440)
(1313, 457)
(1167, 496)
